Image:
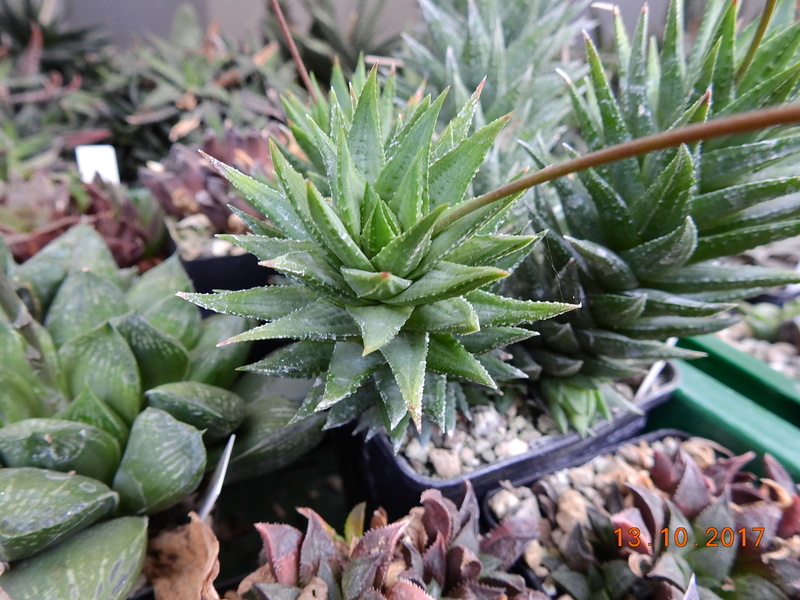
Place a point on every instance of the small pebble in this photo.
(446, 463)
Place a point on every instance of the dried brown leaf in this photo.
(182, 563)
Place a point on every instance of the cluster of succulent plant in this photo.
(434, 552)
(64, 49)
(387, 279)
(511, 49)
(111, 393)
(665, 511)
(175, 89)
(45, 111)
(185, 183)
(635, 241)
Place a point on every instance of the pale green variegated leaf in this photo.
(453, 315)
(163, 280)
(60, 445)
(406, 355)
(269, 248)
(364, 138)
(161, 358)
(405, 252)
(334, 233)
(315, 274)
(447, 356)
(217, 366)
(266, 200)
(103, 561)
(163, 462)
(379, 324)
(304, 359)
(330, 322)
(450, 175)
(370, 285)
(604, 265)
(492, 338)
(264, 303)
(483, 249)
(215, 411)
(498, 311)
(103, 361)
(446, 280)
(83, 301)
(41, 508)
(349, 368)
(176, 318)
(88, 408)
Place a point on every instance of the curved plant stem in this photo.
(298, 61)
(766, 16)
(741, 123)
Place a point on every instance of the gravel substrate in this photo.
(781, 356)
(490, 436)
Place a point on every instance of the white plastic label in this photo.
(97, 160)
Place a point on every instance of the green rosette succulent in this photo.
(638, 242)
(387, 280)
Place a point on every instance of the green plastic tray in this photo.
(749, 376)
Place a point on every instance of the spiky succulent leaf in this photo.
(375, 262)
(636, 240)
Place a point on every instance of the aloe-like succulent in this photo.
(195, 80)
(636, 241)
(511, 50)
(434, 552)
(387, 295)
(658, 513)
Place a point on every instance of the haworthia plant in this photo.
(636, 242)
(385, 291)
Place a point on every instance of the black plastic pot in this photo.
(490, 520)
(384, 479)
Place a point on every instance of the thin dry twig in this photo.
(298, 61)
